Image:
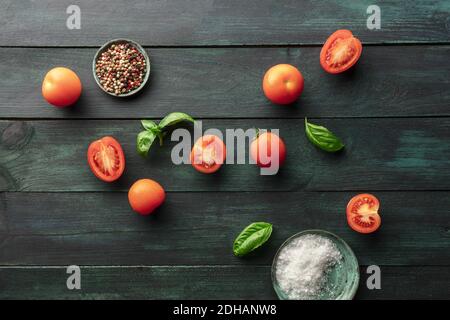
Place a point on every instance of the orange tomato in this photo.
(283, 84)
(261, 150)
(61, 87)
(145, 196)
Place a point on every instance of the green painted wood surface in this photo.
(209, 22)
(226, 83)
(199, 228)
(208, 60)
(380, 154)
(201, 282)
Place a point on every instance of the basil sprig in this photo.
(322, 137)
(152, 130)
(252, 237)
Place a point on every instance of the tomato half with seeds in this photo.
(208, 154)
(106, 159)
(340, 52)
(362, 213)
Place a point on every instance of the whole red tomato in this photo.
(283, 84)
(261, 150)
(61, 87)
(145, 195)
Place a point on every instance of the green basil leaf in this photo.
(174, 118)
(322, 137)
(149, 125)
(252, 237)
(144, 142)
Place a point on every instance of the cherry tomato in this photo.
(340, 52)
(61, 87)
(362, 213)
(283, 84)
(261, 150)
(208, 154)
(145, 195)
(106, 159)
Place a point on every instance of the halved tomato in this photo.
(208, 154)
(340, 52)
(362, 213)
(106, 159)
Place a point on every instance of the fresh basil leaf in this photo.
(153, 130)
(322, 137)
(144, 142)
(174, 118)
(149, 125)
(252, 237)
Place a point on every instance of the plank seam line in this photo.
(235, 46)
(443, 116)
(232, 191)
(190, 266)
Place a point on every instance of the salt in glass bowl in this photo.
(342, 278)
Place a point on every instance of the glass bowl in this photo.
(342, 279)
(140, 49)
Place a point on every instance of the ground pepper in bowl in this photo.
(121, 68)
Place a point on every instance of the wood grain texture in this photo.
(380, 154)
(209, 22)
(199, 229)
(208, 58)
(201, 282)
(226, 83)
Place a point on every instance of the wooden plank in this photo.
(208, 22)
(380, 154)
(226, 83)
(201, 282)
(199, 229)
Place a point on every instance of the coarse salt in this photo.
(303, 264)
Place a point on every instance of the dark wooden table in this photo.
(208, 59)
